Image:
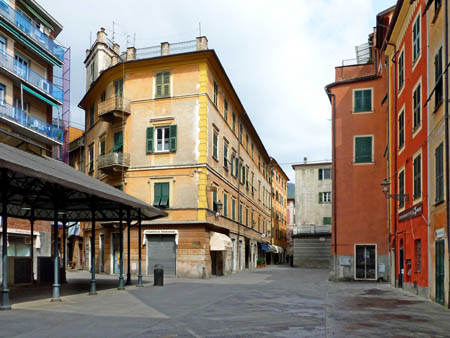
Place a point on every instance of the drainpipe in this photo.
(447, 162)
(394, 60)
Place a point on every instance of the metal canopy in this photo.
(44, 185)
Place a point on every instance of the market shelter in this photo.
(41, 188)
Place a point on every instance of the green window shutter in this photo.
(157, 194)
(166, 87)
(118, 142)
(164, 195)
(173, 138)
(367, 99)
(363, 149)
(233, 209)
(149, 142)
(357, 101)
(102, 147)
(159, 84)
(225, 205)
(326, 220)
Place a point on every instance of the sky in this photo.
(279, 55)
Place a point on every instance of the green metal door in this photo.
(440, 271)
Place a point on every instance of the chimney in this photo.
(305, 160)
(202, 43)
(165, 48)
(116, 48)
(101, 35)
(114, 60)
(131, 53)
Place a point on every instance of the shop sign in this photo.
(410, 213)
(440, 233)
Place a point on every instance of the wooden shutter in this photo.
(358, 101)
(173, 138)
(363, 149)
(157, 194)
(367, 100)
(159, 78)
(149, 142)
(164, 195)
(166, 84)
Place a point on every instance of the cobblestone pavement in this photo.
(272, 302)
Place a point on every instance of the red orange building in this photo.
(406, 48)
(360, 233)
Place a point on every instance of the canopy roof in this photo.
(42, 184)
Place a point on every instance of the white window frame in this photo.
(416, 60)
(354, 149)
(417, 154)
(402, 111)
(163, 128)
(376, 260)
(419, 128)
(402, 170)
(400, 90)
(371, 101)
(326, 197)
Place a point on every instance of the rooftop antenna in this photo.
(114, 31)
(200, 28)
(90, 39)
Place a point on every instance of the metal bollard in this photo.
(158, 275)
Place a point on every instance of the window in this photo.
(225, 205)
(401, 71)
(324, 174)
(259, 190)
(325, 197)
(18, 246)
(240, 213)
(233, 209)
(103, 96)
(416, 39)
(417, 177)
(246, 216)
(363, 149)
(91, 158)
(246, 141)
(225, 154)
(233, 156)
(166, 139)
(234, 122)
(216, 89)
(214, 199)
(362, 100)
(438, 90)
(2, 45)
(418, 246)
(259, 223)
(439, 158)
(2, 94)
(215, 145)
(401, 130)
(225, 109)
(437, 5)
(161, 195)
(243, 174)
(102, 147)
(162, 84)
(401, 188)
(252, 220)
(118, 88)
(253, 148)
(118, 142)
(416, 107)
(236, 167)
(91, 115)
(92, 70)
(240, 132)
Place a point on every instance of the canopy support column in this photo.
(121, 281)
(56, 294)
(140, 249)
(93, 290)
(5, 305)
(63, 276)
(32, 244)
(128, 248)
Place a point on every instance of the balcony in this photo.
(112, 108)
(30, 126)
(114, 162)
(28, 27)
(40, 84)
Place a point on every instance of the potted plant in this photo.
(260, 263)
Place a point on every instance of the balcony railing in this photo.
(28, 27)
(10, 63)
(113, 107)
(114, 161)
(19, 116)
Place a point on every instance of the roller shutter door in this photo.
(161, 249)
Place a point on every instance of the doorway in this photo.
(102, 252)
(365, 262)
(116, 253)
(440, 298)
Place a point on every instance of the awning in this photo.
(265, 247)
(39, 96)
(49, 185)
(273, 248)
(220, 242)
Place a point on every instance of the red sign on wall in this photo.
(410, 213)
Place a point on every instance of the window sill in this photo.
(436, 203)
(215, 159)
(225, 168)
(362, 163)
(162, 97)
(161, 152)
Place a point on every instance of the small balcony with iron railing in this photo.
(114, 162)
(28, 27)
(115, 107)
(35, 81)
(30, 126)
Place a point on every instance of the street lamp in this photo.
(385, 189)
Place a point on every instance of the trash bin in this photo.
(158, 275)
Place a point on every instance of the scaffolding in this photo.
(66, 106)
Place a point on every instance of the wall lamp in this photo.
(385, 189)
